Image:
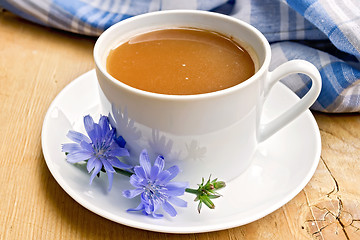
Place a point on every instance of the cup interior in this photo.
(244, 34)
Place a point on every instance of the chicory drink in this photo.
(180, 61)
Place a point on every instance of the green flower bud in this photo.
(206, 192)
(220, 184)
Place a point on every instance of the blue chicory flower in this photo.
(100, 149)
(153, 183)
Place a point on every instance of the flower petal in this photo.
(120, 141)
(91, 163)
(154, 173)
(157, 215)
(144, 212)
(148, 207)
(104, 124)
(117, 163)
(98, 166)
(109, 137)
(139, 171)
(117, 151)
(162, 176)
(136, 181)
(145, 162)
(138, 208)
(96, 134)
(159, 162)
(89, 124)
(70, 147)
(86, 146)
(182, 185)
(175, 188)
(156, 205)
(78, 156)
(174, 170)
(107, 166)
(132, 193)
(110, 178)
(93, 130)
(177, 201)
(169, 209)
(77, 137)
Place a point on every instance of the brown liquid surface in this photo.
(180, 61)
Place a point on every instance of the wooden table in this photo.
(37, 62)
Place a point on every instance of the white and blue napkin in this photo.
(324, 32)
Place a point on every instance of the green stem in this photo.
(190, 190)
(123, 172)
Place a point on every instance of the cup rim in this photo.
(262, 67)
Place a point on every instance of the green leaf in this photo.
(199, 206)
(215, 180)
(214, 196)
(206, 200)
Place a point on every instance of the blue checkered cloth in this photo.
(324, 32)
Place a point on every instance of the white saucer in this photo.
(282, 167)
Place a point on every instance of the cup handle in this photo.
(291, 67)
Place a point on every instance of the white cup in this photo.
(212, 133)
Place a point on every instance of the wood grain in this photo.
(37, 62)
